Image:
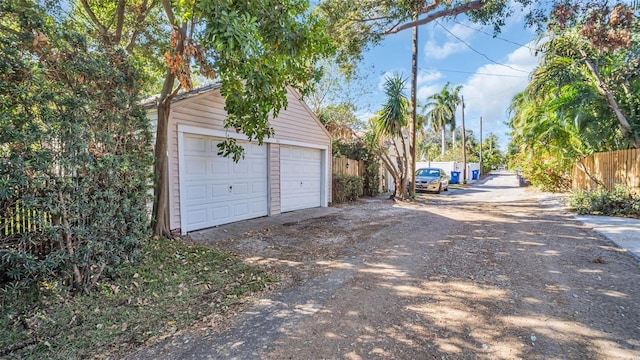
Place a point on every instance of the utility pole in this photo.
(414, 83)
(464, 147)
(480, 172)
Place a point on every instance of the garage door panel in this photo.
(241, 209)
(241, 168)
(258, 207)
(219, 212)
(221, 170)
(219, 190)
(197, 215)
(301, 172)
(197, 145)
(195, 166)
(216, 189)
(240, 189)
(195, 192)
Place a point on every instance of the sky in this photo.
(490, 69)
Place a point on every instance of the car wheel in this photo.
(446, 188)
(439, 189)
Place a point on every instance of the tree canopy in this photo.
(360, 24)
(583, 96)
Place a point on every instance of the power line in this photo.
(478, 73)
(478, 52)
(493, 36)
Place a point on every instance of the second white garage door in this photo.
(215, 190)
(300, 178)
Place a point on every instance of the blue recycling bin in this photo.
(455, 177)
(474, 174)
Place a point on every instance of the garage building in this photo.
(289, 171)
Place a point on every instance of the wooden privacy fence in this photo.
(344, 166)
(610, 168)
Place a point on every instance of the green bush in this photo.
(617, 202)
(371, 185)
(546, 173)
(358, 150)
(347, 188)
(74, 146)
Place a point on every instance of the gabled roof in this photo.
(152, 102)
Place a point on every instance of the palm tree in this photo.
(388, 127)
(442, 109)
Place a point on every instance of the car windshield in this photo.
(428, 172)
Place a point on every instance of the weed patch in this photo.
(174, 286)
(617, 202)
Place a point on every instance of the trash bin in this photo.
(455, 177)
(474, 174)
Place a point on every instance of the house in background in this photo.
(289, 171)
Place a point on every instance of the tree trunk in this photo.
(412, 124)
(403, 167)
(464, 148)
(604, 90)
(160, 221)
(443, 140)
(582, 167)
(388, 164)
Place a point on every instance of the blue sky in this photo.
(490, 70)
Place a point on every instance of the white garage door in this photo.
(215, 190)
(300, 178)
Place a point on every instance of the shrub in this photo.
(358, 150)
(346, 188)
(546, 173)
(74, 148)
(617, 202)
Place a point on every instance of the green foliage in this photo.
(358, 150)
(347, 188)
(620, 201)
(491, 160)
(394, 114)
(175, 286)
(572, 108)
(387, 135)
(548, 173)
(260, 47)
(441, 107)
(340, 120)
(357, 25)
(75, 145)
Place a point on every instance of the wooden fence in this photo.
(609, 168)
(344, 166)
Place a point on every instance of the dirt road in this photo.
(481, 273)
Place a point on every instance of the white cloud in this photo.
(463, 31)
(442, 43)
(438, 52)
(425, 91)
(425, 76)
(488, 93)
(364, 116)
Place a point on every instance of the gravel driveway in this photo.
(487, 272)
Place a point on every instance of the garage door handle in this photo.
(300, 183)
(230, 188)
